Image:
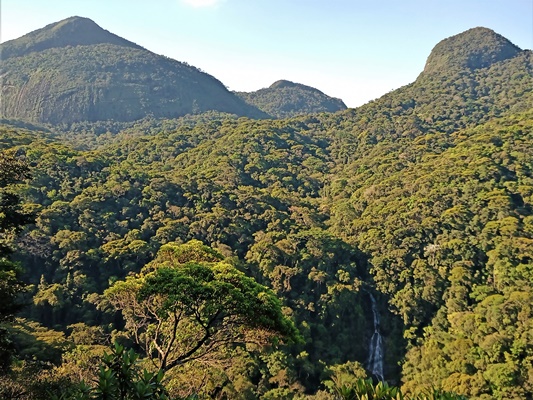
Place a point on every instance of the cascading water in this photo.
(375, 359)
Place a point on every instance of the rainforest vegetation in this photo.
(285, 99)
(216, 256)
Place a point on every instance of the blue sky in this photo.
(355, 50)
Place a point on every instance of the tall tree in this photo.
(189, 310)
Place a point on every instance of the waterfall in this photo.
(375, 359)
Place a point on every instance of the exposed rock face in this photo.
(74, 71)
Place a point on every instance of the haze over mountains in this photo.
(416, 207)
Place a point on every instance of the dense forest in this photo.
(217, 256)
(285, 99)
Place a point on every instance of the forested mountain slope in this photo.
(74, 70)
(286, 99)
(422, 199)
(445, 223)
(474, 49)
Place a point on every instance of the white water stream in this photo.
(375, 359)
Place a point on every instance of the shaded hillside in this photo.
(75, 71)
(286, 99)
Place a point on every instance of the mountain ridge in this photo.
(73, 71)
(72, 31)
(45, 80)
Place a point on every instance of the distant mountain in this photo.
(74, 70)
(285, 99)
(473, 49)
(464, 83)
(74, 31)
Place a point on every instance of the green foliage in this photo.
(31, 381)
(12, 220)
(366, 390)
(343, 377)
(36, 342)
(473, 49)
(181, 312)
(11, 287)
(12, 216)
(119, 379)
(422, 198)
(363, 389)
(286, 99)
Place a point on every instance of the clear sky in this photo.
(356, 50)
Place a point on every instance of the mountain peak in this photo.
(285, 99)
(73, 21)
(473, 49)
(74, 70)
(73, 31)
(281, 84)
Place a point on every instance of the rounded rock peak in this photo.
(282, 84)
(473, 49)
(73, 31)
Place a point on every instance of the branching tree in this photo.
(179, 312)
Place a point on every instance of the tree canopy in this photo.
(180, 312)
